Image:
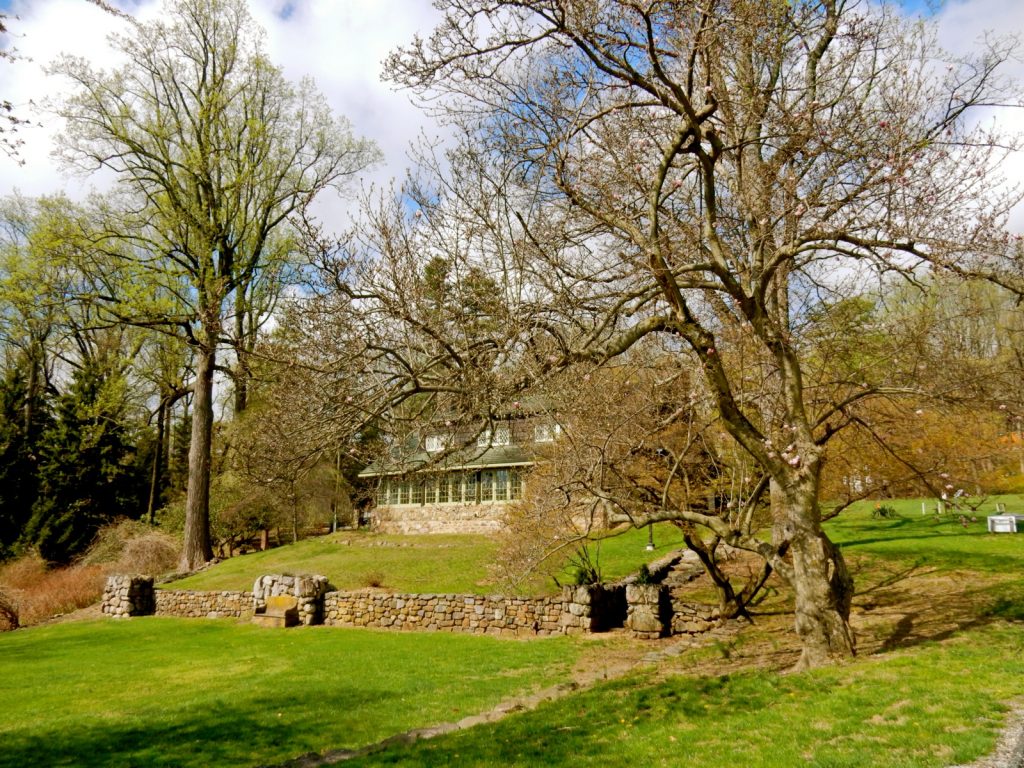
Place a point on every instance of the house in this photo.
(445, 481)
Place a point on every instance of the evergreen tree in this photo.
(88, 470)
(21, 427)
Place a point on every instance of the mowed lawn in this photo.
(932, 688)
(418, 564)
(933, 706)
(174, 692)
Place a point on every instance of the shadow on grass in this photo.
(249, 732)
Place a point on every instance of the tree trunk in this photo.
(157, 474)
(197, 549)
(817, 572)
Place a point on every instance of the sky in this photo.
(341, 44)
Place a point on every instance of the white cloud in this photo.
(340, 44)
(963, 26)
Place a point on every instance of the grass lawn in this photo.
(935, 705)
(939, 541)
(172, 692)
(436, 564)
(939, 616)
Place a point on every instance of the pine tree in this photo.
(19, 455)
(88, 470)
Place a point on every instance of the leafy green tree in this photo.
(218, 157)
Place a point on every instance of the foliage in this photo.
(19, 454)
(87, 474)
(65, 698)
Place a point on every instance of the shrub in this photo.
(8, 614)
(644, 576)
(40, 593)
(37, 592)
(130, 546)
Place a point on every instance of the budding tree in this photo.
(715, 173)
(218, 157)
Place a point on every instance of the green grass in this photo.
(357, 559)
(418, 564)
(932, 706)
(939, 541)
(171, 692)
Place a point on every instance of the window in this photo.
(546, 433)
(515, 485)
(392, 492)
(436, 443)
(486, 485)
(501, 485)
(416, 492)
(500, 435)
(469, 488)
(443, 484)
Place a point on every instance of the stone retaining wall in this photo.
(650, 611)
(689, 619)
(211, 605)
(513, 616)
(485, 518)
(585, 609)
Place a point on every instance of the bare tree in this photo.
(710, 172)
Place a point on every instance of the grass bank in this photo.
(435, 564)
(932, 706)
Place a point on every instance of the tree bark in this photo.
(197, 550)
(157, 469)
(816, 570)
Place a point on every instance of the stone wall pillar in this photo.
(308, 590)
(648, 610)
(592, 608)
(126, 596)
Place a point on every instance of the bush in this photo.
(130, 546)
(8, 614)
(39, 593)
(36, 592)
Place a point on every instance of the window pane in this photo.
(470, 488)
(502, 436)
(486, 485)
(393, 492)
(416, 492)
(515, 483)
(501, 485)
(443, 483)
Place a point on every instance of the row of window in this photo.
(500, 435)
(456, 488)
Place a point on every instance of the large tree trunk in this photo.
(817, 572)
(197, 548)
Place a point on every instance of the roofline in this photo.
(395, 473)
